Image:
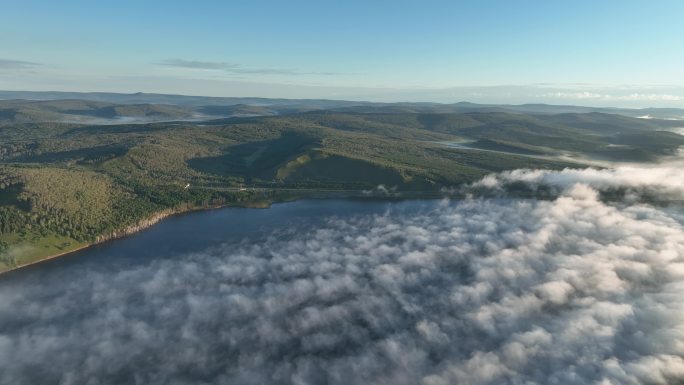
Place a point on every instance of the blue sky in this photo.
(590, 52)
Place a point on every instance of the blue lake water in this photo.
(195, 232)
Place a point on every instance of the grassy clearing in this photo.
(32, 247)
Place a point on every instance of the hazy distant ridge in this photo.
(268, 106)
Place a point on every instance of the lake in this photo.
(197, 231)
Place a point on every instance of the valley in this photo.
(64, 184)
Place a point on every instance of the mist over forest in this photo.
(341, 192)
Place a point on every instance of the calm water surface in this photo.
(197, 231)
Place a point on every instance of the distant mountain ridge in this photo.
(90, 112)
(268, 106)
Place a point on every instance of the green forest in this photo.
(64, 185)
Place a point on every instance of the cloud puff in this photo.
(9, 64)
(662, 181)
(574, 95)
(505, 291)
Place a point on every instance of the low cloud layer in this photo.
(635, 96)
(661, 181)
(569, 291)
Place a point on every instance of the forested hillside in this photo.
(65, 184)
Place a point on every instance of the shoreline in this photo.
(157, 217)
(54, 256)
(164, 214)
(128, 231)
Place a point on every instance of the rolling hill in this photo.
(269, 106)
(84, 111)
(67, 180)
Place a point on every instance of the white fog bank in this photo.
(570, 291)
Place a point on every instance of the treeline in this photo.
(84, 206)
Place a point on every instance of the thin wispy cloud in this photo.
(584, 95)
(9, 64)
(234, 68)
(194, 64)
